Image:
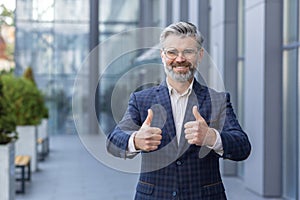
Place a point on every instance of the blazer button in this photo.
(174, 193)
(178, 162)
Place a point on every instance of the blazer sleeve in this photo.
(235, 142)
(117, 140)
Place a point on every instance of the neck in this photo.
(180, 87)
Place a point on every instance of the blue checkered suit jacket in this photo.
(180, 171)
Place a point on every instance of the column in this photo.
(263, 94)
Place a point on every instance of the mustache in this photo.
(181, 64)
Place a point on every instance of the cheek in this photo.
(168, 62)
(194, 62)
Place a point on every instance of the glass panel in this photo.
(290, 22)
(157, 17)
(116, 16)
(290, 127)
(52, 38)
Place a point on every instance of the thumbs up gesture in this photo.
(148, 138)
(198, 132)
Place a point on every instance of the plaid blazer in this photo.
(180, 171)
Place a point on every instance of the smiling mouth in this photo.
(180, 67)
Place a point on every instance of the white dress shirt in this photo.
(179, 104)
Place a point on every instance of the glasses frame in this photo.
(188, 53)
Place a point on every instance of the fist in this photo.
(148, 138)
(198, 132)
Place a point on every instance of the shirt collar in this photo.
(187, 92)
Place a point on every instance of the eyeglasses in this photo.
(172, 53)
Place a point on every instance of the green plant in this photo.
(8, 120)
(28, 74)
(25, 97)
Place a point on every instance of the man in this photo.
(180, 127)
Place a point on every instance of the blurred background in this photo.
(254, 44)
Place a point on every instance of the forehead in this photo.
(180, 42)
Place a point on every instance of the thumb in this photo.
(196, 114)
(149, 118)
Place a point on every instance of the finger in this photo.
(196, 114)
(191, 124)
(151, 130)
(190, 130)
(149, 118)
(151, 148)
(189, 136)
(191, 141)
(156, 137)
(155, 131)
(152, 143)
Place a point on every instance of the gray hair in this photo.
(184, 29)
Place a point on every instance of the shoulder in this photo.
(152, 91)
(211, 93)
(218, 95)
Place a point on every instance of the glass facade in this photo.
(52, 38)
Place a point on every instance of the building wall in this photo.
(262, 95)
(262, 107)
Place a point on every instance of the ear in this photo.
(162, 55)
(201, 54)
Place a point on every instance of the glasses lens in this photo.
(189, 53)
(171, 53)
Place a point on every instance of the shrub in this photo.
(26, 99)
(8, 121)
(28, 75)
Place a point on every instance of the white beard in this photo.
(180, 77)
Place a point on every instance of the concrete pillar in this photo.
(263, 94)
(93, 67)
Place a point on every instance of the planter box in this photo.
(43, 133)
(43, 129)
(27, 144)
(7, 171)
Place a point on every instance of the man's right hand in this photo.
(148, 138)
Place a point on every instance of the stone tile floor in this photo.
(70, 172)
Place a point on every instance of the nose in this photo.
(180, 57)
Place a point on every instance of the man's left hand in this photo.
(198, 132)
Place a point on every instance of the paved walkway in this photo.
(70, 172)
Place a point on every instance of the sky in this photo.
(10, 4)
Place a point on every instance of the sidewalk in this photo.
(70, 172)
